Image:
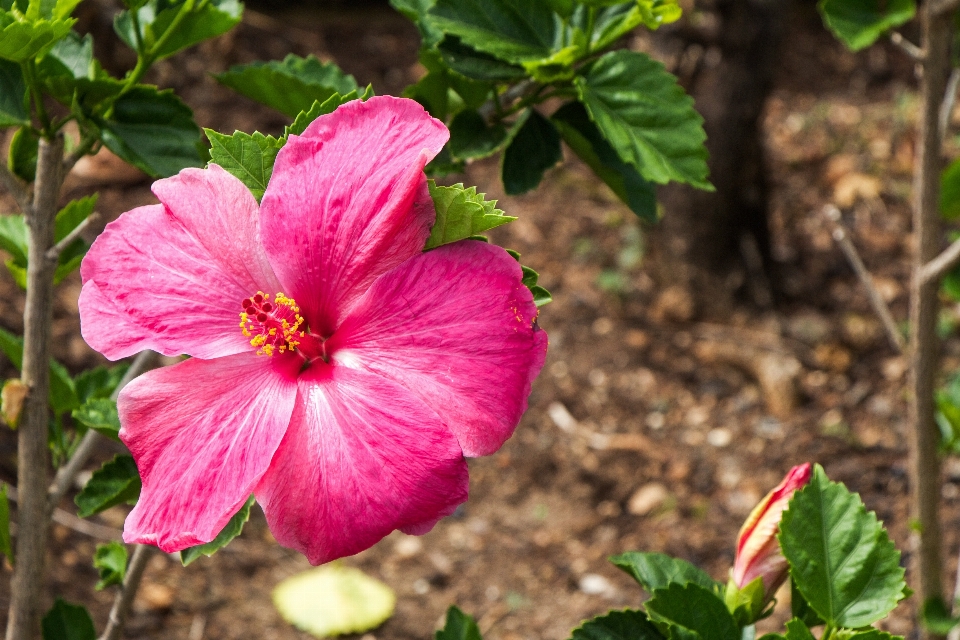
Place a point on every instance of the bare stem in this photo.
(934, 270)
(879, 305)
(124, 599)
(17, 188)
(522, 89)
(57, 249)
(32, 453)
(949, 99)
(908, 47)
(924, 307)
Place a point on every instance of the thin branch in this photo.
(124, 599)
(520, 90)
(70, 521)
(57, 249)
(86, 145)
(879, 305)
(17, 188)
(944, 6)
(908, 47)
(69, 471)
(949, 99)
(941, 265)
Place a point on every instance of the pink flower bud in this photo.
(758, 551)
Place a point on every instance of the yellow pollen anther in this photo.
(271, 325)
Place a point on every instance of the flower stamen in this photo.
(273, 327)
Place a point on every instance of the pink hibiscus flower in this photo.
(338, 373)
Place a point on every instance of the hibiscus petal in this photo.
(456, 327)
(348, 201)
(362, 457)
(171, 277)
(202, 432)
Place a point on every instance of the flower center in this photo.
(272, 326)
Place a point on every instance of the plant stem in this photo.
(924, 307)
(33, 455)
(124, 599)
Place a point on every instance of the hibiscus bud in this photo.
(758, 551)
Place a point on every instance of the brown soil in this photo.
(648, 429)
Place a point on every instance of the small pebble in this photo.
(719, 437)
(647, 498)
(594, 584)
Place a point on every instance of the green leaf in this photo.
(74, 53)
(13, 240)
(116, 482)
(801, 609)
(22, 40)
(416, 10)
(45, 9)
(540, 295)
(858, 23)
(13, 237)
(304, 118)
(646, 117)
(936, 618)
(99, 382)
(516, 31)
(588, 143)
(471, 63)
(694, 608)
(950, 191)
(629, 624)
(63, 397)
(100, 414)
(461, 213)
(862, 634)
(164, 35)
(657, 570)
(471, 138)
(840, 556)
(154, 131)
(289, 86)
(22, 158)
(458, 626)
(72, 215)
(248, 157)
(352, 602)
(797, 630)
(13, 95)
(67, 621)
(534, 149)
(6, 544)
(110, 560)
(230, 531)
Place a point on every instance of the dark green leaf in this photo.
(471, 63)
(797, 630)
(840, 556)
(585, 139)
(162, 38)
(618, 625)
(154, 131)
(534, 149)
(471, 138)
(516, 31)
(936, 618)
(248, 157)
(444, 164)
(13, 95)
(63, 397)
(99, 382)
(24, 40)
(443, 91)
(858, 23)
(657, 571)
(950, 191)
(116, 482)
(6, 544)
(100, 414)
(110, 560)
(646, 117)
(229, 532)
(304, 118)
(540, 295)
(67, 621)
(22, 158)
(290, 86)
(801, 609)
(694, 608)
(461, 213)
(416, 10)
(459, 626)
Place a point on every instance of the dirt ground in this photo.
(650, 428)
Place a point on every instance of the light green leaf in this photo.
(416, 10)
(163, 34)
(154, 131)
(352, 602)
(248, 157)
(304, 118)
(72, 215)
(646, 117)
(290, 86)
(230, 531)
(797, 630)
(116, 482)
(629, 624)
(67, 621)
(63, 397)
(110, 560)
(516, 31)
(13, 95)
(801, 609)
(461, 213)
(99, 382)
(45, 9)
(657, 571)
(22, 155)
(75, 54)
(862, 634)
(13, 237)
(840, 556)
(858, 23)
(13, 240)
(534, 148)
(624, 180)
(458, 626)
(22, 40)
(6, 544)
(693, 608)
(99, 414)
